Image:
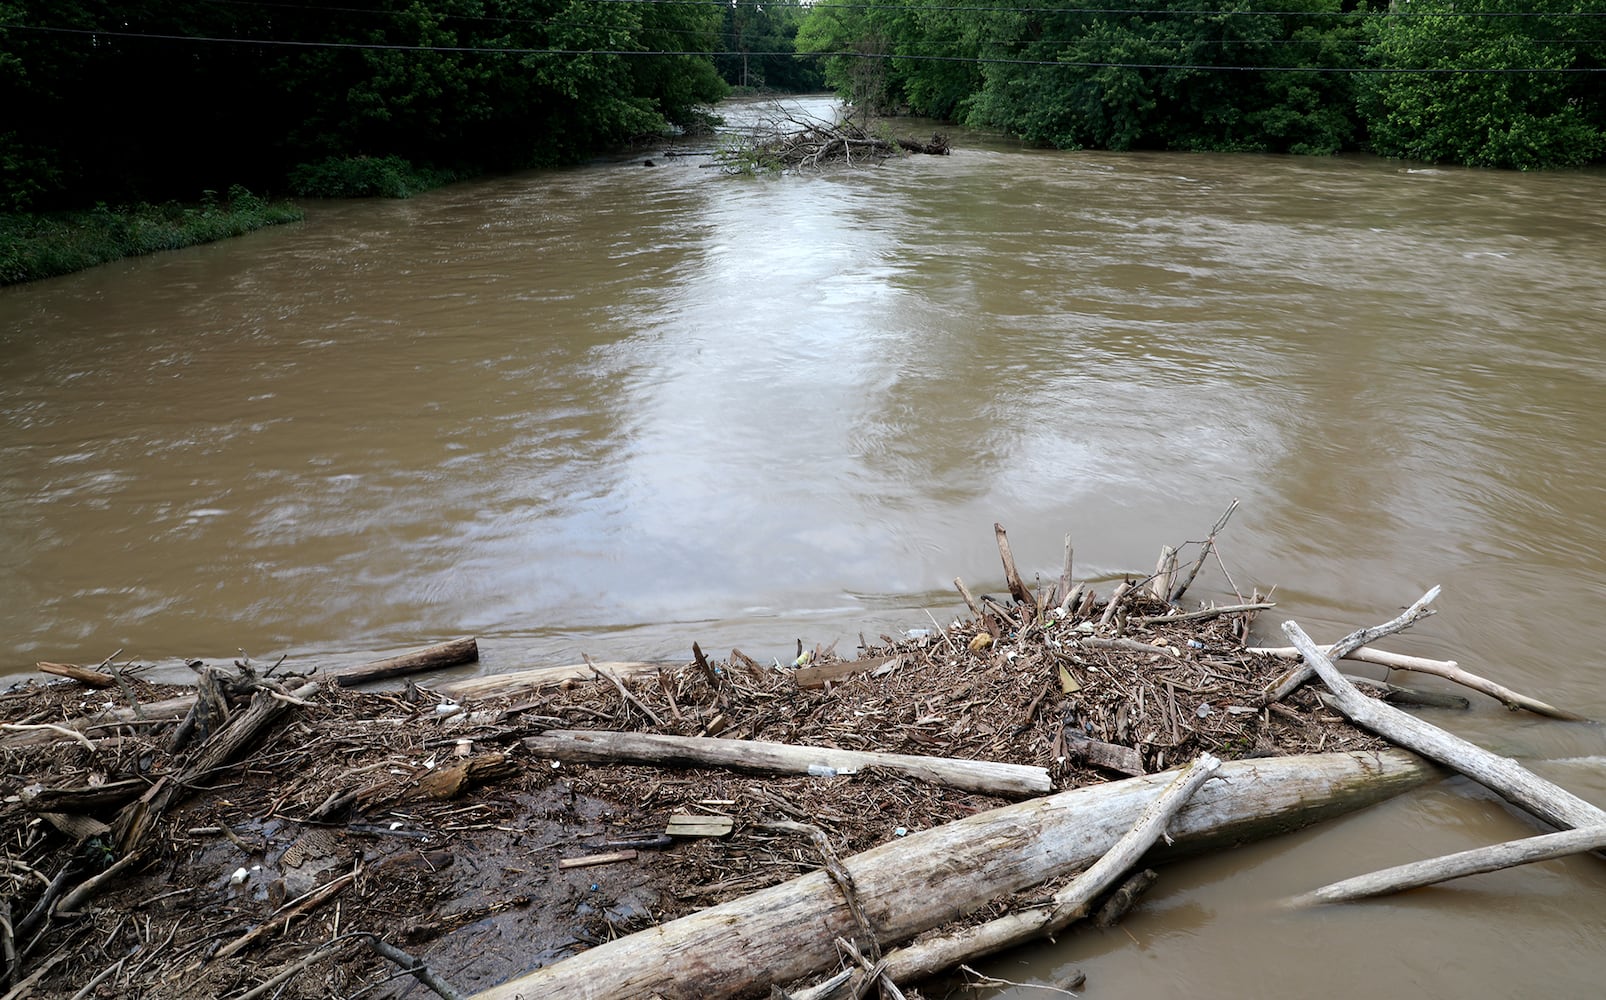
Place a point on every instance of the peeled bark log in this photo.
(600, 746)
(907, 886)
(537, 678)
(1070, 904)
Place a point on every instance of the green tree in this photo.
(1495, 90)
(759, 38)
(153, 99)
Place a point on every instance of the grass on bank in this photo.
(34, 246)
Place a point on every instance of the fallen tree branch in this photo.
(23, 727)
(83, 675)
(289, 911)
(1204, 553)
(1451, 671)
(1545, 799)
(1459, 865)
(452, 653)
(1285, 685)
(602, 746)
(1017, 586)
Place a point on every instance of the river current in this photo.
(618, 408)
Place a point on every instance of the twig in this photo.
(1204, 552)
(875, 972)
(313, 957)
(1189, 616)
(1121, 591)
(632, 699)
(419, 969)
(89, 987)
(970, 601)
(287, 912)
(986, 980)
(8, 945)
(1064, 591)
(946, 638)
(1449, 670)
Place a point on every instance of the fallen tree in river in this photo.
(793, 142)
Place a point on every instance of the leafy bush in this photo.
(364, 177)
(42, 246)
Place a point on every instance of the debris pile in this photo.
(308, 840)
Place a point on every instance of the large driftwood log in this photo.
(1459, 865)
(452, 653)
(1070, 904)
(1545, 799)
(906, 886)
(599, 746)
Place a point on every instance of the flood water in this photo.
(616, 409)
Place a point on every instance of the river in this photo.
(615, 408)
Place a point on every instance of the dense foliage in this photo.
(758, 46)
(1482, 82)
(34, 246)
(152, 99)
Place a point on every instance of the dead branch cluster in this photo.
(803, 143)
(229, 840)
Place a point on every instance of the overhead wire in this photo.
(909, 57)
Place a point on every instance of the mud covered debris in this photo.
(430, 825)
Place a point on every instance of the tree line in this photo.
(116, 100)
(1502, 83)
(150, 99)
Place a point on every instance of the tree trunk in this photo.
(778, 935)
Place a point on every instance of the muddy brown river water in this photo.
(615, 409)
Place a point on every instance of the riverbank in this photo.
(34, 246)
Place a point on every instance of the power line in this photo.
(1158, 11)
(957, 8)
(977, 60)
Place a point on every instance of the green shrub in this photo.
(364, 177)
(42, 246)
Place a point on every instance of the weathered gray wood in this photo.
(1070, 904)
(909, 885)
(1285, 685)
(593, 746)
(1449, 670)
(537, 678)
(1459, 865)
(1545, 799)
